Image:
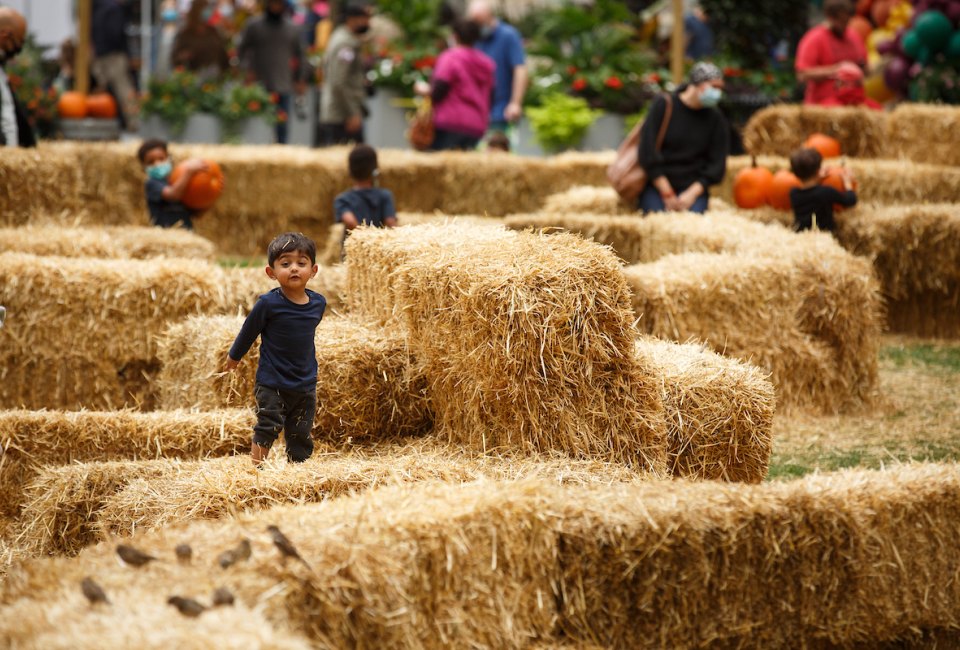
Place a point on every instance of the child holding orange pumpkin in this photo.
(164, 199)
(813, 202)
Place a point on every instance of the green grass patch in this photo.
(798, 464)
(238, 261)
(925, 354)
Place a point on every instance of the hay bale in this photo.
(526, 342)
(914, 252)
(811, 318)
(120, 242)
(367, 388)
(375, 256)
(588, 199)
(74, 506)
(883, 182)
(923, 133)
(30, 440)
(828, 560)
(780, 129)
(719, 412)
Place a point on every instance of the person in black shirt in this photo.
(694, 152)
(695, 147)
(286, 321)
(812, 202)
(163, 199)
(365, 204)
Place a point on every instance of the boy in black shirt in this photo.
(286, 319)
(365, 204)
(812, 202)
(163, 200)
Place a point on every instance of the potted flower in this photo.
(168, 104)
(561, 121)
(26, 76)
(248, 113)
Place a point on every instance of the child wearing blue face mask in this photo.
(164, 199)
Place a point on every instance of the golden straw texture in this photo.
(122, 242)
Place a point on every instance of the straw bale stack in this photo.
(782, 128)
(31, 440)
(914, 250)
(830, 560)
(37, 182)
(367, 387)
(74, 506)
(121, 242)
(923, 133)
(526, 342)
(885, 182)
(719, 412)
(376, 255)
(587, 199)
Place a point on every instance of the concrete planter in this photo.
(606, 133)
(386, 126)
(201, 128)
(256, 131)
(155, 127)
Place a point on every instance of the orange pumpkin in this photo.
(780, 185)
(204, 188)
(834, 179)
(101, 105)
(751, 186)
(827, 146)
(72, 105)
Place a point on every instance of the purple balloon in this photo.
(896, 73)
(953, 12)
(888, 46)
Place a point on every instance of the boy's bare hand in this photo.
(195, 165)
(232, 364)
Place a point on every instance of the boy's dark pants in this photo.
(289, 411)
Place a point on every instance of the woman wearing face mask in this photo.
(693, 155)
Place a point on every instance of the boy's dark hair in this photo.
(805, 163)
(150, 145)
(291, 242)
(837, 8)
(466, 31)
(498, 140)
(363, 162)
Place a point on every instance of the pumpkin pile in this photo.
(756, 186)
(77, 106)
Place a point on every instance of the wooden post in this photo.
(678, 43)
(81, 67)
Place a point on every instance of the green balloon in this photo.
(911, 44)
(933, 29)
(953, 47)
(924, 55)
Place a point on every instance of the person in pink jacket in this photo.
(461, 91)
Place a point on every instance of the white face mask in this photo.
(710, 96)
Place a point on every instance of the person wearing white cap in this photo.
(696, 141)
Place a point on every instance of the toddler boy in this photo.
(812, 202)
(163, 200)
(365, 204)
(286, 320)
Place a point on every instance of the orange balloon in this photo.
(880, 11)
(751, 186)
(834, 179)
(72, 105)
(101, 105)
(863, 7)
(827, 146)
(204, 188)
(862, 26)
(780, 185)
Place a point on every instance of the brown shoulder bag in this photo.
(625, 174)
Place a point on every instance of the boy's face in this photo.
(154, 156)
(292, 270)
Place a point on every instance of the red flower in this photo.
(281, 116)
(614, 83)
(571, 69)
(768, 78)
(653, 77)
(732, 72)
(253, 105)
(425, 62)
(579, 84)
(274, 98)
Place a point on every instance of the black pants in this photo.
(444, 140)
(289, 411)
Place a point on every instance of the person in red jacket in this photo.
(831, 58)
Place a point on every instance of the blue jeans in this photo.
(650, 201)
(282, 128)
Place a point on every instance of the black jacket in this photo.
(24, 132)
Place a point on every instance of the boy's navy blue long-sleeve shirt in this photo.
(818, 201)
(288, 356)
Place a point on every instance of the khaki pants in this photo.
(114, 70)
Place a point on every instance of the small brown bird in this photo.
(284, 545)
(184, 553)
(223, 596)
(187, 606)
(133, 556)
(94, 592)
(238, 553)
